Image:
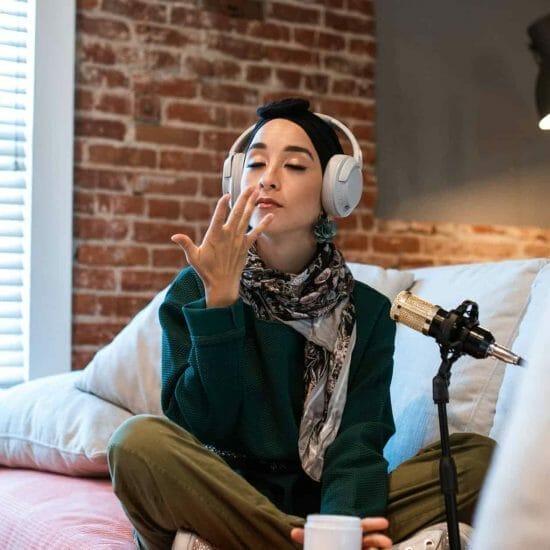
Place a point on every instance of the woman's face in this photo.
(283, 164)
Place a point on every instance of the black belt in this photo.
(241, 461)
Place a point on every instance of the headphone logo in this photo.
(342, 180)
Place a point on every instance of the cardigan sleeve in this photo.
(355, 477)
(202, 354)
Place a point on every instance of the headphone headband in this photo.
(240, 142)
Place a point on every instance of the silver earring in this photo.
(324, 229)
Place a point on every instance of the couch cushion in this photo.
(502, 291)
(45, 511)
(48, 424)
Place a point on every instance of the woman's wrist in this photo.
(216, 298)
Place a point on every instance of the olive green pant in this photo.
(166, 480)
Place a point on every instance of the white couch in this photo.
(123, 378)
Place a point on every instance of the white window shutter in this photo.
(14, 118)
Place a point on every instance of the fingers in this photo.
(376, 540)
(297, 535)
(374, 524)
(220, 213)
(242, 210)
(264, 222)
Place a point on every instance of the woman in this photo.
(276, 367)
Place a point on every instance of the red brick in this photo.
(317, 39)
(121, 204)
(167, 185)
(154, 34)
(219, 68)
(84, 100)
(103, 54)
(97, 77)
(78, 151)
(136, 10)
(112, 255)
(84, 304)
(344, 86)
(146, 280)
(170, 257)
(159, 232)
(368, 199)
(229, 93)
(111, 103)
(294, 14)
(80, 358)
(193, 210)
(395, 244)
(268, 31)
(167, 135)
(155, 60)
(84, 202)
(359, 67)
(169, 209)
(219, 141)
(258, 74)
(367, 222)
(102, 27)
(110, 129)
(99, 279)
(317, 83)
(350, 223)
(211, 187)
(242, 118)
(366, 7)
(292, 56)
(537, 250)
(349, 109)
(95, 333)
(200, 114)
(86, 5)
(147, 108)
(364, 132)
(350, 23)
(99, 228)
(238, 48)
(193, 162)
(122, 156)
(289, 79)
(363, 47)
(120, 306)
(353, 241)
(102, 179)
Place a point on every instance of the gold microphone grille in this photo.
(412, 311)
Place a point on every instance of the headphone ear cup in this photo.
(342, 186)
(231, 176)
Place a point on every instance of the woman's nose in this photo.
(268, 181)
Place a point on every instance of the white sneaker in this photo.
(435, 537)
(185, 540)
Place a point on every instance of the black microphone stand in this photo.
(451, 348)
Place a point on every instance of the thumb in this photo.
(186, 244)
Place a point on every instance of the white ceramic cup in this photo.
(327, 532)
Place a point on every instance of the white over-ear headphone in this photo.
(342, 180)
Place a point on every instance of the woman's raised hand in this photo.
(221, 257)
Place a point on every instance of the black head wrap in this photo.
(296, 109)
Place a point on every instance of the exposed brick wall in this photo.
(162, 90)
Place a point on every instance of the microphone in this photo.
(457, 329)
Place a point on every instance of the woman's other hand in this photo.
(372, 536)
(221, 257)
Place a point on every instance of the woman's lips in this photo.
(267, 203)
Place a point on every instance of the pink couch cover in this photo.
(41, 510)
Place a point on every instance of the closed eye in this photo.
(297, 167)
(256, 164)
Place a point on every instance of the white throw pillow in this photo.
(389, 282)
(502, 290)
(48, 424)
(126, 372)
